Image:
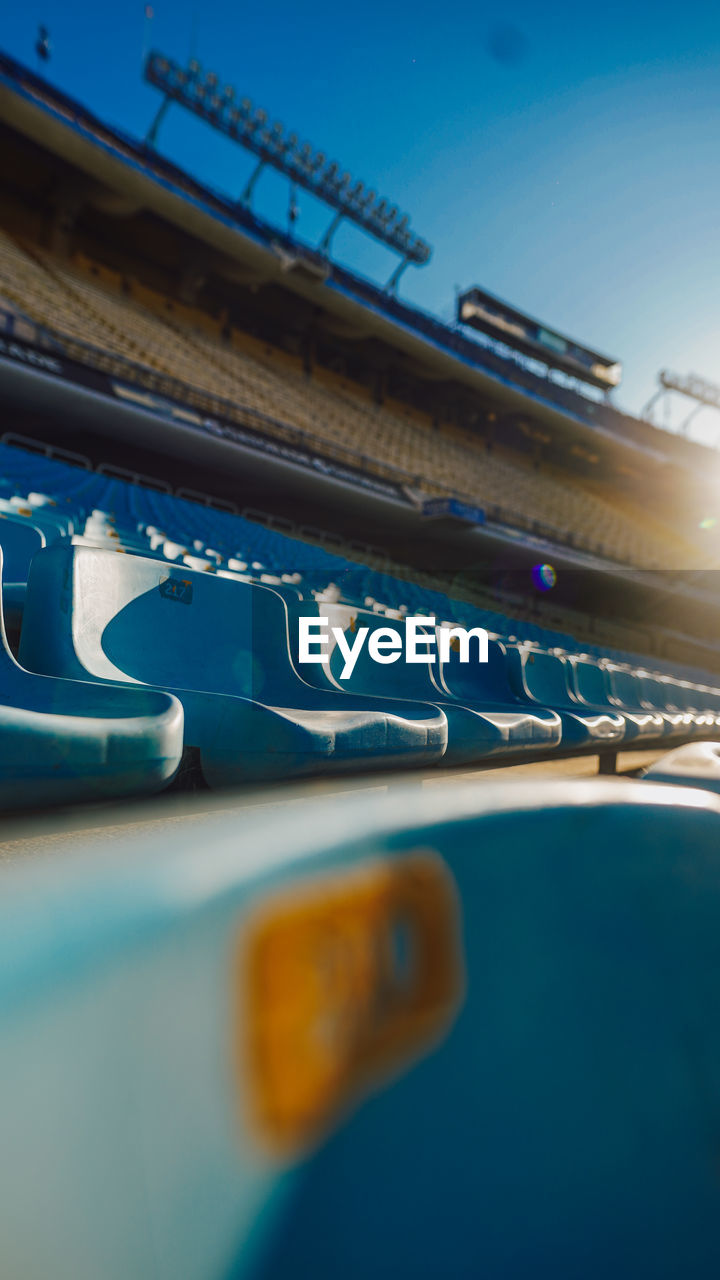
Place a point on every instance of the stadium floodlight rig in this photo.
(201, 93)
(706, 394)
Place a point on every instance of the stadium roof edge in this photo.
(59, 123)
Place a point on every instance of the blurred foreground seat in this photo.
(440, 1031)
(697, 764)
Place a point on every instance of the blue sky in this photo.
(566, 158)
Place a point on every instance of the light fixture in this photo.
(300, 163)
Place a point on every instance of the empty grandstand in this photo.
(152, 328)
(93, 321)
(243, 331)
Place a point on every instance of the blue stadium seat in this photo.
(485, 687)
(60, 501)
(661, 695)
(708, 697)
(19, 540)
(222, 646)
(52, 524)
(590, 682)
(542, 679)
(13, 604)
(697, 764)
(452, 1031)
(626, 693)
(62, 741)
(691, 701)
(475, 729)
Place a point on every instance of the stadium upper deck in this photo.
(129, 260)
(42, 112)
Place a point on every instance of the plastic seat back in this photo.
(625, 687)
(541, 677)
(478, 683)
(689, 698)
(128, 618)
(659, 694)
(399, 679)
(589, 682)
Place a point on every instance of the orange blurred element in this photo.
(347, 978)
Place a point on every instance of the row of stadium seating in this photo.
(265, 551)
(121, 321)
(152, 632)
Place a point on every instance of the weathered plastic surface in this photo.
(542, 678)
(591, 685)
(659, 696)
(222, 647)
(477, 726)
(485, 686)
(62, 740)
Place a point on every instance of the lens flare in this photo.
(708, 523)
(544, 577)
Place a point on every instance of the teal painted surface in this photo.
(567, 1124)
(61, 740)
(221, 646)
